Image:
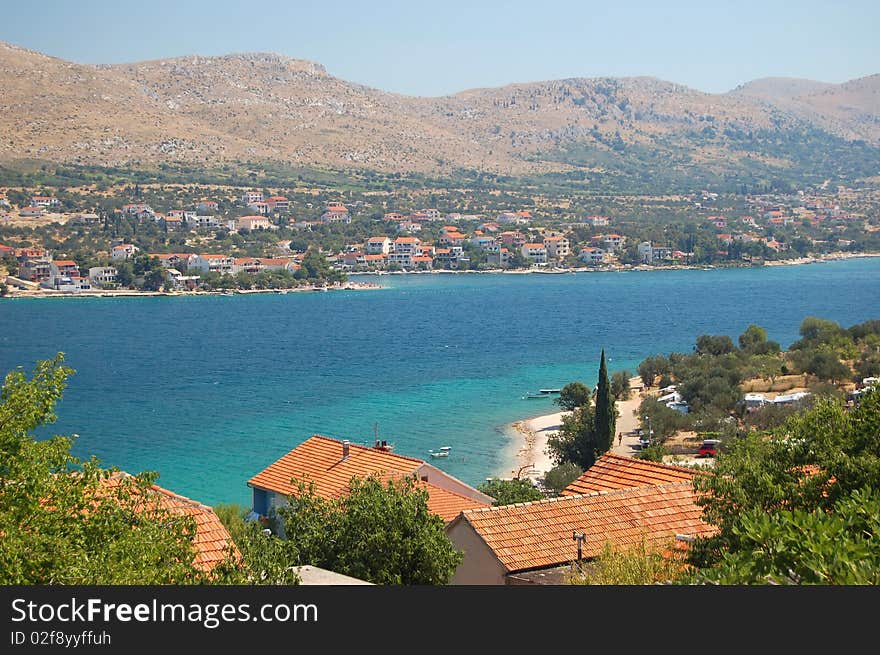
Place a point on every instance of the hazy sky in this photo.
(441, 47)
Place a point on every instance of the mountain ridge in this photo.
(263, 106)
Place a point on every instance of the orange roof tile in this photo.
(613, 471)
(64, 262)
(212, 539)
(539, 534)
(319, 460)
(447, 504)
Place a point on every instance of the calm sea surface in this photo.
(210, 390)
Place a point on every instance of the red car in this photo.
(709, 447)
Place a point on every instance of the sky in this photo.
(439, 48)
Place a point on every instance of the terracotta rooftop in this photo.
(447, 504)
(319, 460)
(212, 539)
(613, 471)
(536, 535)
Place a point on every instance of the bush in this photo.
(559, 477)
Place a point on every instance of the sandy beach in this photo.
(530, 436)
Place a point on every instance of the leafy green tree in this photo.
(265, 559)
(560, 476)
(824, 461)
(805, 547)
(652, 367)
(663, 421)
(620, 387)
(754, 342)
(66, 521)
(507, 492)
(573, 395)
(380, 532)
(827, 366)
(714, 345)
(575, 441)
(606, 412)
(653, 453)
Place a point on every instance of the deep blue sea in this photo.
(209, 390)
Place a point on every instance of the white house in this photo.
(536, 252)
(211, 263)
(407, 246)
(205, 221)
(558, 247)
(123, 251)
(592, 255)
(249, 197)
(44, 201)
(378, 246)
(103, 275)
(253, 223)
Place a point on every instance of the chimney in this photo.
(346, 446)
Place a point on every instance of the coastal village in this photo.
(256, 241)
(268, 236)
(622, 501)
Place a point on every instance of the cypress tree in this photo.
(606, 414)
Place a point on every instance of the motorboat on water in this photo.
(443, 451)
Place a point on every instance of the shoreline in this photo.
(799, 261)
(363, 286)
(128, 293)
(526, 454)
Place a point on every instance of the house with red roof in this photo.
(278, 203)
(253, 223)
(330, 464)
(558, 247)
(378, 245)
(591, 255)
(212, 542)
(207, 262)
(535, 252)
(31, 211)
(612, 471)
(536, 542)
(123, 251)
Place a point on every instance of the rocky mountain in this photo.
(266, 107)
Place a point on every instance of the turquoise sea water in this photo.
(209, 390)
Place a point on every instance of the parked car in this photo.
(709, 447)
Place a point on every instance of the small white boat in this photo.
(442, 452)
(549, 390)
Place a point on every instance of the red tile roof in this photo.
(319, 460)
(447, 504)
(212, 540)
(539, 534)
(613, 471)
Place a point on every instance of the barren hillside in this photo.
(266, 107)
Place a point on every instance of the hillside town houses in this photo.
(424, 239)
